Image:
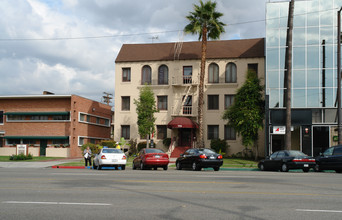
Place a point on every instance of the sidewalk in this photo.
(42, 164)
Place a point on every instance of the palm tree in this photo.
(204, 20)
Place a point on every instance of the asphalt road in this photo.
(45, 193)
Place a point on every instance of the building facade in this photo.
(314, 75)
(52, 125)
(172, 71)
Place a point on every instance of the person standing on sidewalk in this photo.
(87, 157)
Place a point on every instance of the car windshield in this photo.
(150, 150)
(206, 151)
(112, 151)
(296, 154)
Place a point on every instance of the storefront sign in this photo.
(21, 149)
(279, 129)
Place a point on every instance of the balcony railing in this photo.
(184, 111)
(184, 80)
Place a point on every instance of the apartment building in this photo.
(172, 71)
(52, 125)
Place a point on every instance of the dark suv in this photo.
(331, 159)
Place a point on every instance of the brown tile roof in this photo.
(250, 48)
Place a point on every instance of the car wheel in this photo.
(178, 166)
(262, 167)
(133, 166)
(216, 168)
(284, 168)
(94, 166)
(305, 170)
(338, 171)
(317, 168)
(195, 167)
(99, 167)
(123, 167)
(165, 167)
(142, 166)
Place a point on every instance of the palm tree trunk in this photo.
(288, 76)
(200, 140)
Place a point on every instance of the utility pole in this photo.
(107, 97)
(339, 113)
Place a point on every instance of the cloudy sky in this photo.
(69, 46)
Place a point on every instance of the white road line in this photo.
(55, 203)
(315, 210)
(79, 174)
(226, 176)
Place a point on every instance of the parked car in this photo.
(110, 157)
(198, 158)
(151, 158)
(330, 159)
(286, 160)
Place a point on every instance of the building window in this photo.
(163, 75)
(146, 76)
(253, 67)
(81, 141)
(15, 117)
(228, 101)
(213, 73)
(29, 141)
(13, 141)
(162, 102)
(1, 117)
(82, 117)
(231, 73)
(39, 117)
(98, 121)
(213, 132)
(60, 141)
(229, 133)
(187, 107)
(161, 132)
(187, 74)
(126, 74)
(125, 131)
(1, 141)
(60, 117)
(106, 122)
(88, 118)
(213, 102)
(125, 103)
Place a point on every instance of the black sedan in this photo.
(198, 158)
(285, 160)
(331, 159)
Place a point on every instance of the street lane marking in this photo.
(55, 203)
(175, 181)
(314, 210)
(79, 174)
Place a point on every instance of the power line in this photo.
(139, 34)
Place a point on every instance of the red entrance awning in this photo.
(182, 122)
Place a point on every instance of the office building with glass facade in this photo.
(314, 75)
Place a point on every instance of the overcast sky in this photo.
(69, 46)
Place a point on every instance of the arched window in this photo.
(213, 76)
(146, 76)
(163, 75)
(231, 73)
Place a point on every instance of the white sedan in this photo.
(110, 157)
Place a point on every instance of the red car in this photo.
(151, 158)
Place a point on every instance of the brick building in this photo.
(52, 125)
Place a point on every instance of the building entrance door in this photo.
(184, 137)
(277, 143)
(43, 145)
(320, 140)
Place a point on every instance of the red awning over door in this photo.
(182, 122)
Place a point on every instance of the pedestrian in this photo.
(87, 157)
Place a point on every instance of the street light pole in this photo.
(339, 112)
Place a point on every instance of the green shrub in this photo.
(95, 149)
(167, 142)
(132, 147)
(219, 145)
(141, 145)
(110, 144)
(21, 157)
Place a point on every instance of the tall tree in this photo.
(288, 76)
(145, 108)
(246, 115)
(204, 21)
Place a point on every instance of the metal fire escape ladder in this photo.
(184, 99)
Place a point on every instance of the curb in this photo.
(68, 167)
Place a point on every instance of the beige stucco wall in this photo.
(175, 91)
(57, 152)
(8, 151)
